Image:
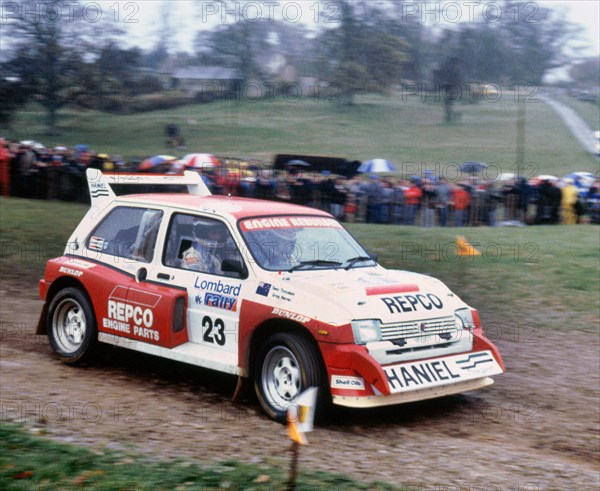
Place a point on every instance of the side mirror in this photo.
(141, 275)
(234, 266)
(374, 256)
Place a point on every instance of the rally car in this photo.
(278, 294)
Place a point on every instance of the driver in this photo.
(204, 253)
(280, 248)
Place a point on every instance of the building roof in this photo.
(207, 73)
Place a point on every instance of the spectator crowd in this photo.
(29, 170)
(427, 201)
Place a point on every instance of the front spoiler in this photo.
(413, 395)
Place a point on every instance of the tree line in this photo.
(364, 47)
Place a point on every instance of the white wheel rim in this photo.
(69, 325)
(281, 377)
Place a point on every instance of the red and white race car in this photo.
(278, 294)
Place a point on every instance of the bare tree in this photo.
(50, 41)
(365, 57)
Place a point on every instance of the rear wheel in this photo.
(287, 365)
(72, 327)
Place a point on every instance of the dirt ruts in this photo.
(536, 428)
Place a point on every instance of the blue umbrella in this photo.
(582, 180)
(153, 162)
(376, 165)
(473, 167)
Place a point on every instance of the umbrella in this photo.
(583, 180)
(33, 144)
(376, 165)
(297, 163)
(473, 167)
(432, 176)
(201, 161)
(152, 162)
(506, 176)
(535, 181)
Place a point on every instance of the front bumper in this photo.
(357, 380)
(412, 396)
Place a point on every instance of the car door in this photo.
(201, 256)
(123, 245)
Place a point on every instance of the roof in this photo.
(207, 73)
(336, 165)
(235, 206)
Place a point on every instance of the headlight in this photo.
(464, 319)
(366, 331)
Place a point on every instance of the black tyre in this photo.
(72, 329)
(286, 365)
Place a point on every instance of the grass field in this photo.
(32, 462)
(404, 129)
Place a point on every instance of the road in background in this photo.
(582, 132)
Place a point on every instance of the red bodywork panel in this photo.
(122, 307)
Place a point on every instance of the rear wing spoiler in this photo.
(101, 191)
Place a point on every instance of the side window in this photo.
(127, 232)
(202, 244)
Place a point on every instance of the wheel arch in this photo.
(275, 326)
(56, 286)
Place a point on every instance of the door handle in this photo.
(163, 276)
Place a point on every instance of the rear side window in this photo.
(127, 232)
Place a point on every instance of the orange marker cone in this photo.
(294, 431)
(463, 248)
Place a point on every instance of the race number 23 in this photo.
(214, 331)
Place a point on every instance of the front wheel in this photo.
(72, 331)
(287, 365)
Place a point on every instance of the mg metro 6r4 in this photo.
(277, 294)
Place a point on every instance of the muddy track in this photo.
(537, 428)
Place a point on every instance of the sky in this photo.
(587, 14)
(142, 18)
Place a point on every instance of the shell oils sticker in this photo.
(345, 382)
(133, 315)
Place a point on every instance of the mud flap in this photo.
(241, 389)
(41, 328)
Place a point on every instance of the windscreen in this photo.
(286, 243)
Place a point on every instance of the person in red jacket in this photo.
(461, 199)
(412, 199)
(4, 168)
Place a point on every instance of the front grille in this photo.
(442, 326)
